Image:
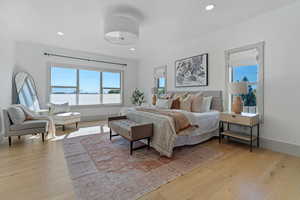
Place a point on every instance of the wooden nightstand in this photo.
(244, 119)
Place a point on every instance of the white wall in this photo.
(280, 29)
(30, 58)
(6, 69)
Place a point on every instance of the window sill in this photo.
(98, 105)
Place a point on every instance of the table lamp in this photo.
(154, 92)
(237, 89)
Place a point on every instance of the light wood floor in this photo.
(33, 170)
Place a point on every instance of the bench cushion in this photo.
(122, 127)
(131, 130)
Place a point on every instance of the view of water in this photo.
(85, 99)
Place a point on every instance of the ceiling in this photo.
(82, 21)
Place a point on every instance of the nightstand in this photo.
(244, 120)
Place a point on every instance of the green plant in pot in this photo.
(137, 97)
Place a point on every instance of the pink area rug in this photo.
(103, 169)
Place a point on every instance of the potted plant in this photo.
(137, 97)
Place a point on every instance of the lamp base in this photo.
(237, 105)
(154, 99)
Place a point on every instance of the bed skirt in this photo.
(194, 139)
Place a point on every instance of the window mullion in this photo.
(77, 87)
(101, 88)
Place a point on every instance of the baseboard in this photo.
(281, 147)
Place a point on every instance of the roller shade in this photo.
(244, 58)
(160, 73)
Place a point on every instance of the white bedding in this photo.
(207, 123)
(165, 137)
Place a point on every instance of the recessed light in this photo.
(132, 49)
(210, 7)
(60, 33)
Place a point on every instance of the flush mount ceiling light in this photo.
(60, 33)
(210, 7)
(132, 49)
(121, 29)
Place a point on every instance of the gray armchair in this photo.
(25, 127)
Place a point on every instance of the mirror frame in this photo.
(155, 70)
(28, 76)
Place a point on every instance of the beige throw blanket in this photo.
(30, 115)
(181, 122)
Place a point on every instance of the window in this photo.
(111, 87)
(160, 79)
(89, 87)
(247, 74)
(84, 87)
(161, 85)
(246, 64)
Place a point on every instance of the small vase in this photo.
(154, 99)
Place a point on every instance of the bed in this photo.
(165, 138)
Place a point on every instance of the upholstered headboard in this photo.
(217, 100)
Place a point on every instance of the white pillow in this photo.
(16, 114)
(206, 103)
(186, 103)
(59, 108)
(197, 102)
(163, 103)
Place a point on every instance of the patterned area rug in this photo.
(103, 169)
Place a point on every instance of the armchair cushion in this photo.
(66, 118)
(16, 115)
(59, 108)
(31, 124)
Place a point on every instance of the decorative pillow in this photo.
(59, 108)
(176, 104)
(180, 95)
(164, 96)
(16, 114)
(206, 103)
(186, 103)
(197, 100)
(163, 103)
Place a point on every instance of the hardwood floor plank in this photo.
(33, 170)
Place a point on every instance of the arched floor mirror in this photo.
(26, 93)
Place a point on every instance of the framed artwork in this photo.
(192, 72)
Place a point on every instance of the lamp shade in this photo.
(237, 88)
(121, 30)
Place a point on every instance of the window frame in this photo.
(84, 67)
(260, 82)
(163, 68)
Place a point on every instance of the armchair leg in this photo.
(63, 128)
(43, 137)
(19, 137)
(76, 124)
(9, 141)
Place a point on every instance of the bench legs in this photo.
(131, 147)
(149, 142)
(111, 135)
(131, 142)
